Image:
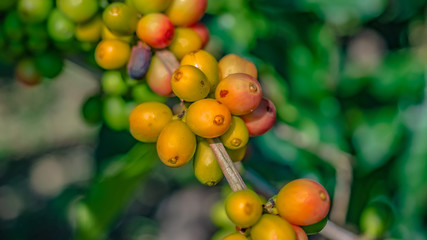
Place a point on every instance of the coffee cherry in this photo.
(156, 30)
(106, 34)
(185, 13)
(115, 113)
(189, 83)
(149, 6)
(91, 110)
(59, 27)
(272, 227)
(176, 144)
(34, 11)
(208, 118)
(78, 10)
(244, 208)
(203, 32)
(206, 167)
(261, 119)
(204, 61)
(148, 119)
(159, 78)
(237, 135)
(299, 233)
(112, 54)
(112, 83)
(185, 41)
(237, 155)
(232, 63)
(240, 92)
(89, 31)
(120, 18)
(303, 202)
(139, 61)
(235, 236)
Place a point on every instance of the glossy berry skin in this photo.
(78, 10)
(185, 13)
(272, 227)
(148, 119)
(89, 31)
(208, 118)
(303, 202)
(243, 208)
(203, 32)
(240, 92)
(159, 78)
(112, 54)
(120, 18)
(149, 6)
(207, 63)
(205, 165)
(237, 155)
(156, 30)
(176, 144)
(233, 63)
(139, 61)
(261, 119)
(235, 236)
(106, 34)
(189, 83)
(299, 233)
(186, 40)
(237, 136)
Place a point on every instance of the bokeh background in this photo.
(348, 79)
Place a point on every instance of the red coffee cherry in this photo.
(261, 119)
(156, 30)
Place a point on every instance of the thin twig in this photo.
(335, 232)
(230, 172)
(341, 161)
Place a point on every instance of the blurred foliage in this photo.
(350, 74)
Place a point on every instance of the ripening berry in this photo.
(272, 227)
(185, 40)
(235, 236)
(203, 32)
(204, 61)
(303, 202)
(233, 63)
(205, 165)
(120, 18)
(243, 208)
(176, 144)
(190, 83)
(156, 30)
(237, 136)
(237, 155)
(240, 92)
(299, 233)
(159, 78)
(112, 54)
(261, 119)
(208, 118)
(148, 119)
(185, 13)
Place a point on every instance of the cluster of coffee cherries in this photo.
(299, 209)
(217, 100)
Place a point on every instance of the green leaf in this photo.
(112, 191)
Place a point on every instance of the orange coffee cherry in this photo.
(148, 119)
(232, 63)
(235, 236)
(185, 40)
(204, 61)
(272, 227)
(208, 118)
(190, 83)
(240, 92)
(112, 54)
(176, 144)
(237, 136)
(243, 208)
(303, 202)
(186, 12)
(299, 233)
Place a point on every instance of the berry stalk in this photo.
(230, 172)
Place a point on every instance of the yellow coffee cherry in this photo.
(237, 136)
(148, 119)
(189, 83)
(204, 61)
(185, 40)
(235, 236)
(176, 144)
(89, 31)
(244, 208)
(208, 118)
(237, 155)
(272, 227)
(205, 164)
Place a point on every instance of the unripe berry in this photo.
(272, 227)
(237, 136)
(244, 208)
(190, 83)
(204, 61)
(185, 40)
(205, 164)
